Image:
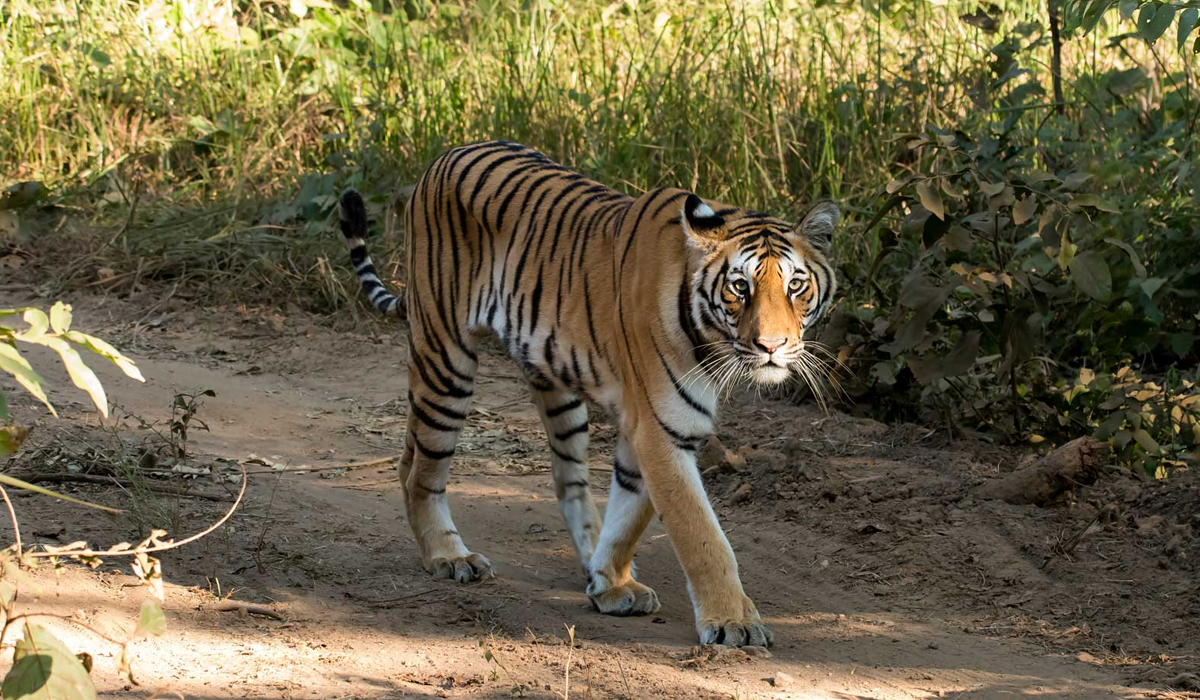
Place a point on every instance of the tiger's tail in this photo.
(353, 213)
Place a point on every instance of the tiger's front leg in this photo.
(724, 613)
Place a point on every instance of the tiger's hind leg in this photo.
(565, 418)
(440, 390)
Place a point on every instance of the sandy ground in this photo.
(879, 572)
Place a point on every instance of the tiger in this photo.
(645, 307)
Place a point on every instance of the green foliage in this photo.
(1025, 234)
(1030, 248)
(44, 668)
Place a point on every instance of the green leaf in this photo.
(931, 198)
(1127, 8)
(60, 317)
(1091, 200)
(1024, 209)
(106, 351)
(38, 322)
(1090, 273)
(16, 483)
(12, 362)
(44, 668)
(962, 358)
(1151, 285)
(81, 375)
(991, 189)
(1187, 22)
(1066, 250)
(151, 620)
(3, 408)
(11, 439)
(1138, 268)
(1147, 442)
(8, 593)
(1154, 20)
(22, 194)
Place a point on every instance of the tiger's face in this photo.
(763, 283)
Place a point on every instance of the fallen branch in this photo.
(348, 465)
(243, 608)
(1074, 464)
(114, 481)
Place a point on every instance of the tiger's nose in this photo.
(770, 345)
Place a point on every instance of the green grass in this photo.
(206, 140)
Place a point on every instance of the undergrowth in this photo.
(1020, 253)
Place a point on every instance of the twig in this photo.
(13, 515)
(157, 548)
(235, 606)
(348, 465)
(111, 480)
(410, 596)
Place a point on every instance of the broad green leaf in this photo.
(11, 439)
(82, 376)
(1024, 209)
(107, 351)
(1066, 250)
(45, 669)
(12, 362)
(1138, 268)
(962, 357)
(38, 322)
(1147, 442)
(1153, 20)
(1091, 200)
(151, 620)
(16, 483)
(1090, 273)
(3, 408)
(931, 198)
(1127, 8)
(60, 317)
(991, 189)
(1187, 22)
(1151, 285)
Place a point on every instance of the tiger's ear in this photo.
(703, 226)
(817, 227)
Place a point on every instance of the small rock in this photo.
(782, 680)
(933, 645)
(757, 652)
(741, 494)
(1087, 658)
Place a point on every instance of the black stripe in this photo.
(559, 410)
(431, 454)
(563, 455)
(569, 433)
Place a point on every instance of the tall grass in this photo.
(764, 103)
(208, 139)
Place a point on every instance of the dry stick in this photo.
(348, 465)
(13, 515)
(235, 606)
(157, 548)
(110, 480)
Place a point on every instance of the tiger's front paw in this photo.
(473, 567)
(737, 630)
(624, 599)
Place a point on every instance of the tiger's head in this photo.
(761, 285)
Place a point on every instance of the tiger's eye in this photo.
(740, 287)
(796, 284)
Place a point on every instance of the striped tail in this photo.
(354, 225)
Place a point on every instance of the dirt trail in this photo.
(855, 616)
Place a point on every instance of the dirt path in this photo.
(864, 602)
